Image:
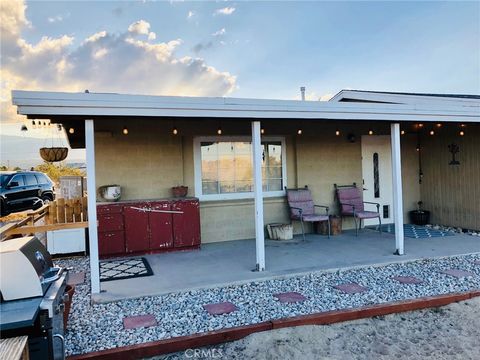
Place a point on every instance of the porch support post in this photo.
(397, 188)
(258, 192)
(92, 207)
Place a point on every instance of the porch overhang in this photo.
(61, 105)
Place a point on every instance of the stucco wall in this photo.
(452, 192)
(149, 161)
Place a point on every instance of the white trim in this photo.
(397, 188)
(360, 95)
(257, 189)
(53, 104)
(197, 163)
(92, 207)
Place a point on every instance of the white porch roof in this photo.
(36, 104)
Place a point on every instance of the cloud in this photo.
(190, 14)
(224, 11)
(55, 19)
(220, 32)
(102, 62)
(140, 27)
(202, 46)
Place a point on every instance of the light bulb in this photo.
(402, 132)
(174, 131)
(299, 131)
(125, 131)
(71, 130)
(262, 131)
(337, 132)
(432, 132)
(462, 133)
(219, 131)
(370, 132)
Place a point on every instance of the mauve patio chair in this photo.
(302, 208)
(351, 202)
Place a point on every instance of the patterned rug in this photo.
(414, 231)
(124, 269)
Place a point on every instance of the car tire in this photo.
(46, 199)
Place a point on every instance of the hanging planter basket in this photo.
(54, 154)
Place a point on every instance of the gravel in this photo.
(94, 327)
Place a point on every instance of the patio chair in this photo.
(302, 208)
(351, 202)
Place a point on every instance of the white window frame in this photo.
(197, 160)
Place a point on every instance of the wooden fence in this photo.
(59, 215)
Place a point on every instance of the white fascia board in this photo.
(81, 104)
(404, 98)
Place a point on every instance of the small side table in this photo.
(335, 226)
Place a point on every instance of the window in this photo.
(376, 176)
(31, 180)
(18, 179)
(224, 168)
(42, 179)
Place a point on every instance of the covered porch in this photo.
(230, 262)
(151, 143)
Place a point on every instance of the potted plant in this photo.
(420, 216)
(179, 191)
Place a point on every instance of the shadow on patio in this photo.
(225, 263)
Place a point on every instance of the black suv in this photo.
(24, 190)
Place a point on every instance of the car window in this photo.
(19, 179)
(42, 179)
(31, 179)
(4, 179)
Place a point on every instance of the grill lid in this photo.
(26, 268)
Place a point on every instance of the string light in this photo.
(432, 132)
(420, 125)
(125, 131)
(439, 125)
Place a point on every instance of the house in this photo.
(224, 149)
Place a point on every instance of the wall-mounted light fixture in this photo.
(125, 130)
(461, 133)
(370, 132)
(299, 131)
(337, 132)
(262, 131)
(439, 125)
(402, 132)
(219, 131)
(71, 130)
(175, 130)
(432, 132)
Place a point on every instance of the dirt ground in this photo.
(451, 332)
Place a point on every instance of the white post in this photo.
(397, 188)
(258, 191)
(92, 207)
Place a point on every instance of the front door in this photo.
(377, 176)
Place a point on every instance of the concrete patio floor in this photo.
(225, 263)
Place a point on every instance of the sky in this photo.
(231, 48)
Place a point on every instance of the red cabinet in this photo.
(148, 226)
(161, 232)
(137, 235)
(186, 225)
(111, 235)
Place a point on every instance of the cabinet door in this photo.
(110, 222)
(161, 235)
(186, 226)
(136, 228)
(111, 243)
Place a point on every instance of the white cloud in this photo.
(140, 27)
(54, 19)
(220, 32)
(190, 14)
(224, 11)
(152, 36)
(102, 62)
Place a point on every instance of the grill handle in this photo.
(62, 339)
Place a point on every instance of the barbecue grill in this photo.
(32, 295)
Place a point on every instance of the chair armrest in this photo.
(300, 210)
(324, 207)
(373, 203)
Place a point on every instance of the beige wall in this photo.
(452, 192)
(149, 161)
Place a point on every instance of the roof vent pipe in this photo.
(302, 91)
